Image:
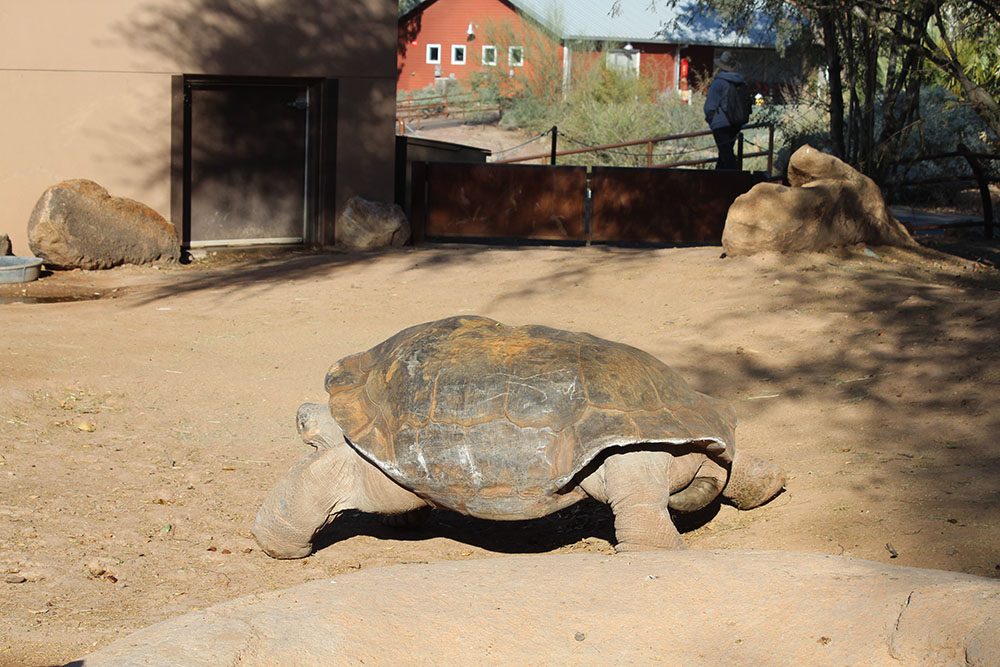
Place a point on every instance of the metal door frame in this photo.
(320, 153)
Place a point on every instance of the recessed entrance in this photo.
(251, 157)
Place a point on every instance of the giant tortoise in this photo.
(503, 422)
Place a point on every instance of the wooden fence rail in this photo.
(979, 176)
(444, 106)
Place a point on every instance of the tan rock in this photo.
(77, 224)
(828, 205)
(644, 608)
(808, 164)
(365, 225)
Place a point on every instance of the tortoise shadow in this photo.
(586, 519)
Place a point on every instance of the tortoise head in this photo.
(317, 427)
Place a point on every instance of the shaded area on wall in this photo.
(247, 147)
(664, 206)
(277, 38)
(492, 201)
(407, 36)
(411, 149)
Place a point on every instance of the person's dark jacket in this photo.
(715, 100)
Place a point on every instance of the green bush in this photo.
(611, 113)
(944, 121)
(608, 107)
(801, 119)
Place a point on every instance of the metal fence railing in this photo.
(551, 157)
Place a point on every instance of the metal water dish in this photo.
(15, 269)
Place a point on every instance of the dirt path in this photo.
(140, 431)
(503, 143)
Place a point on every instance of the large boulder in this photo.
(647, 608)
(828, 205)
(77, 225)
(366, 225)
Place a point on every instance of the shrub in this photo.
(802, 118)
(945, 121)
(608, 107)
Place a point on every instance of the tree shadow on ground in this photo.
(249, 270)
(895, 374)
(968, 246)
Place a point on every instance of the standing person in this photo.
(718, 108)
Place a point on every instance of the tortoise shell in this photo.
(494, 421)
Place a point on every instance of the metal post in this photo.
(418, 201)
(984, 189)
(555, 135)
(739, 150)
(770, 150)
(649, 154)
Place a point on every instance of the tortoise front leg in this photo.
(636, 485)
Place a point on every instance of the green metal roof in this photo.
(635, 21)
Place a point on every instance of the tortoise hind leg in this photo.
(709, 480)
(636, 486)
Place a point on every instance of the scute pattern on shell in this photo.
(494, 420)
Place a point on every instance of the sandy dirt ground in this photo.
(142, 425)
(504, 144)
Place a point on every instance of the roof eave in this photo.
(671, 40)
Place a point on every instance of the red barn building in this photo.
(442, 40)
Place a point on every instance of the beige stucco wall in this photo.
(58, 128)
(365, 105)
(87, 87)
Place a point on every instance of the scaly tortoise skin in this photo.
(503, 422)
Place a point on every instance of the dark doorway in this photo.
(251, 161)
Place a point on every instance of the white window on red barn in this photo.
(624, 60)
(457, 54)
(489, 55)
(433, 54)
(515, 56)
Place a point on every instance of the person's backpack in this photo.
(738, 104)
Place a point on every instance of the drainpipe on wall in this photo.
(677, 68)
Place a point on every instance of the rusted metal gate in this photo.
(488, 201)
(663, 206)
(513, 202)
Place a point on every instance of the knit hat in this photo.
(727, 61)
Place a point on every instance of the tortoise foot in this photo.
(753, 481)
